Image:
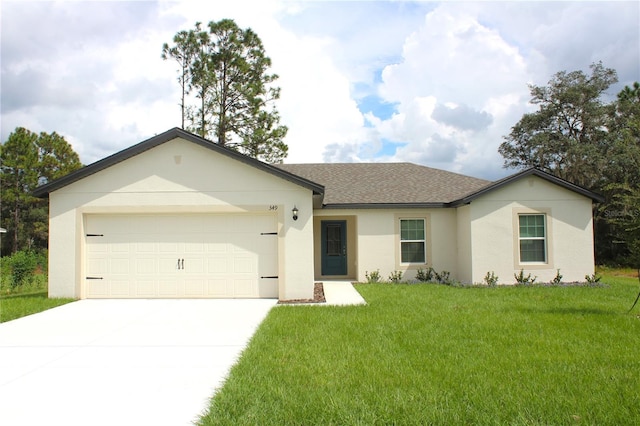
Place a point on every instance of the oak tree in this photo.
(27, 160)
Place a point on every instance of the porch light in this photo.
(295, 213)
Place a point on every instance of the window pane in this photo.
(412, 229)
(532, 226)
(532, 251)
(334, 240)
(412, 253)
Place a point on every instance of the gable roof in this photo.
(380, 185)
(523, 174)
(44, 190)
(344, 185)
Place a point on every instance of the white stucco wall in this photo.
(378, 246)
(493, 224)
(463, 216)
(181, 177)
(471, 240)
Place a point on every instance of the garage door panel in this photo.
(98, 266)
(194, 248)
(120, 248)
(218, 265)
(169, 265)
(120, 288)
(146, 266)
(149, 256)
(243, 265)
(97, 288)
(194, 287)
(146, 288)
(169, 288)
(168, 247)
(120, 266)
(245, 287)
(218, 287)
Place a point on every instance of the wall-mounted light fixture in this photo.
(295, 213)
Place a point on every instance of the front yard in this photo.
(433, 354)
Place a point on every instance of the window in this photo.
(533, 238)
(412, 241)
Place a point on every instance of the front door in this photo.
(334, 247)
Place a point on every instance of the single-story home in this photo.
(177, 216)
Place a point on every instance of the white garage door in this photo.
(181, 256)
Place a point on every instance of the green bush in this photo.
(558, 279)
(522, 280)
(373, 277)
(396, 277)
(23, 269)
(491, 279)
(443, 277)
(430, 275)
(425, 276)
(592, 279)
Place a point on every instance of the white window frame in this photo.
(543, 238)
(423, 241)
(518, 263)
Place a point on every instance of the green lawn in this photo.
(433, 354)
(20, 305)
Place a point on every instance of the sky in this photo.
(433, 83)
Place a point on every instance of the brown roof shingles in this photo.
(386, 183)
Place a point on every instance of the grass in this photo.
(433, 354)
(23, 304)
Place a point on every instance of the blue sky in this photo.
(434, 83)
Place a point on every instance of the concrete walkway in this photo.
(341, 293)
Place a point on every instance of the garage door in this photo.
(181, 256)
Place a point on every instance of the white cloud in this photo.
(92, 71)
(454, 60)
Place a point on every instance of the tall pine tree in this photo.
(226, 70)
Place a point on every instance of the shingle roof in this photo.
(380, 184)
(350, 185)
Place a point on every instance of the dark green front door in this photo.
(334, 247)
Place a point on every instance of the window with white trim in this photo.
(413, 244)
(533, 238)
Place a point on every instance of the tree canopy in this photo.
(578, 136)
(27, 160)
(227, 92)
(567, 132)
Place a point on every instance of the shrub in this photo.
(558, 279)
(522, 280)
(491, 279)
(425, 276)
(395, 277)
(593, 279)
(23, 265)
(373, 277)
(442, 277)
(24, 270)
(430, 275)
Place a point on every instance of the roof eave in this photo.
(362, 206)
(528, 172)
(44, 190)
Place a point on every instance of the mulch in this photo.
(318, 297)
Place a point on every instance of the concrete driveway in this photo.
(121, 362)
